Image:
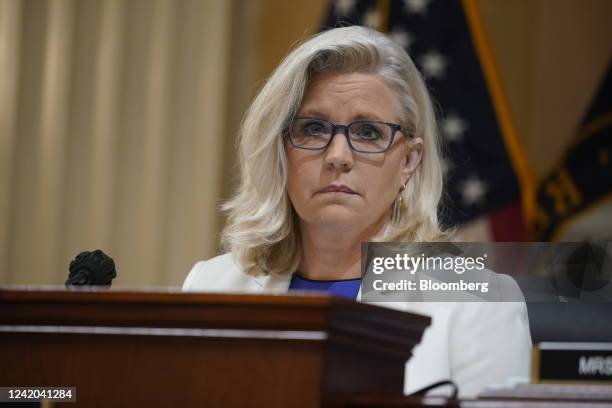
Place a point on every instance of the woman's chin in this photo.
(338, 214)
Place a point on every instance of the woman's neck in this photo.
(331, 253)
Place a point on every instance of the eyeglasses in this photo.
(365, 136)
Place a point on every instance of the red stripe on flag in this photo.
(507, 223)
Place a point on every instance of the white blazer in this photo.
(474, 344)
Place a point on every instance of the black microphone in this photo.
(91, 268)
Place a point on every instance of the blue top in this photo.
(348, 288)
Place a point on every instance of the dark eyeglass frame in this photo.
(346, 131)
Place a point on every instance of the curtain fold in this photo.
(112, 131)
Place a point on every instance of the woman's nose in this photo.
(339, 154)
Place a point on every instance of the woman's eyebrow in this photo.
(313, 113)
(369, 116)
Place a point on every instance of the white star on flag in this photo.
(402, 37)
(344, 7)
(372, 19)
(433, 64)
(472, 191)
(453, 127)
(416, 6)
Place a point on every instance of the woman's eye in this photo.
(368, 132)
(313, 129)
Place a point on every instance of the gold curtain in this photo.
(113, 131)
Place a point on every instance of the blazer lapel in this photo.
(273, 284)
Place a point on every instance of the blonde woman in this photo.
(341, 147)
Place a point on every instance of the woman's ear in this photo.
(413, 158)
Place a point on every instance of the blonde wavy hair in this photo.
(262, 227)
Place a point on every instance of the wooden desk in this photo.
(142, 349)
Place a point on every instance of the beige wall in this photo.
(118, 118)
(552, 55)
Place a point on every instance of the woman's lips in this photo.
(337, 188)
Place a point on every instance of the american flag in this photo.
(482, 157)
